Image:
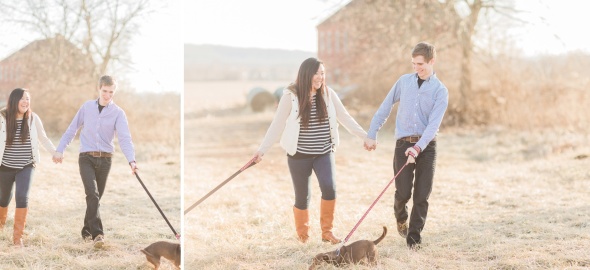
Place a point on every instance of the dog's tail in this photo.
(381, 237)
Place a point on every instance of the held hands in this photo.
(257, 157)
(412, 154)
(134, 167)
(57, 157)
(370, 144)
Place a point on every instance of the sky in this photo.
(156, 50)
(280, 24)
(553, 26)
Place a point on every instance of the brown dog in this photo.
(353, 253)
(170, 251)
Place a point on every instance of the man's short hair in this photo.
(426, 50)
(106, 80)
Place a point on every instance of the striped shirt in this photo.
(315, 138)
(19, 154)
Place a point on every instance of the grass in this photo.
(130, 220)
(502, 199)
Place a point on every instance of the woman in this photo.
(307, 117)
(21, 132)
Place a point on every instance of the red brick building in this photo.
(45, 64)
(367, 43)
(59, 76)
(334, 45)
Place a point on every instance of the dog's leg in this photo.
(372, 257)
(155, 261)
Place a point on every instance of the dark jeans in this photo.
(422, 183)
(301, 169)
(23, 179)
(94, 172)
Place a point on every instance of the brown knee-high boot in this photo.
(301, 223)
(20, 219)
(326, 220)
(3, 213)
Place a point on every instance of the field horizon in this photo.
(502, 198)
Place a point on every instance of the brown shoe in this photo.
(20, 220)
(3, 213)
(301, 223)
(326, 220)
(98, 241)
(402, 229)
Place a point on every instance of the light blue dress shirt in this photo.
(98, 130)
(420, 112)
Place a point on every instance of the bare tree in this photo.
(466, 14)
(101, 29)
(381, 33)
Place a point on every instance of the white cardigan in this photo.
(36, 132)
(287, 122)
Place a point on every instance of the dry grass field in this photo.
(130, 219)
(502, 199)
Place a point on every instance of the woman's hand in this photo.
(57, 157)
(258, 156)
(370, 144)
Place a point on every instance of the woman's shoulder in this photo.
(291, 89)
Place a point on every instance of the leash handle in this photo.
(368, 210)
(248, 165)
(177, 235)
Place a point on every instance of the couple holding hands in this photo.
(306, 122)
(22, 132)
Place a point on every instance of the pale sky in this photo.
(156, 50)
(290, 24)
(281, 24)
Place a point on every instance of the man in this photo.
(423, 100)
(99, 120)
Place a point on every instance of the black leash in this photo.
(157, 206)
(248, 165)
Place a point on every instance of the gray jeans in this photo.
(94, 172)
(23, 179)
(301, 170)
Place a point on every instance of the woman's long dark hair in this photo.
(10, 113)
(303, 85)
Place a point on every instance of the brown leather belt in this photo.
(98, 154)
(413, 139)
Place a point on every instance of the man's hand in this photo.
(412, 154)
(133, 166)
(257, 157)
(370, 144)
(57, 157)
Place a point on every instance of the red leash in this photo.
(368, 210)
(248, 165)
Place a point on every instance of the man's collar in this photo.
(427, 79)
(98, 102)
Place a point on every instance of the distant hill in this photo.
(215, 62)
